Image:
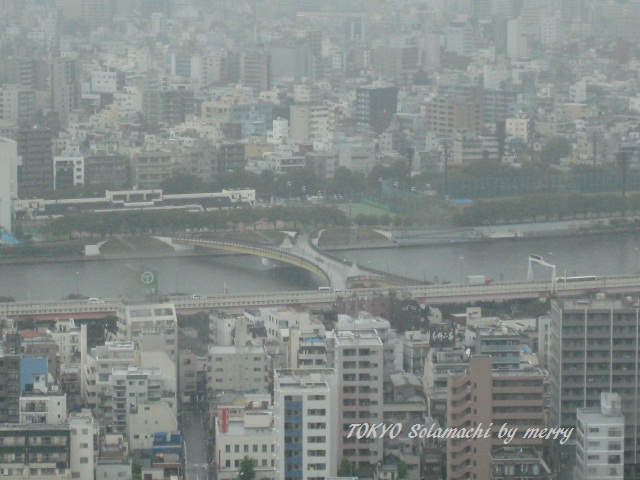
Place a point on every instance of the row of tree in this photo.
(173, 221)
(41, 250)
(535, 208)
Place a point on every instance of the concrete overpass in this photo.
(428, 294)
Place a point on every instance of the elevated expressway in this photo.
(428, 294)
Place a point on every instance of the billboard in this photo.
(442, 335)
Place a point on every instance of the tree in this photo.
(403, 470)
(346, 469)
(556, 149)
(246, 472)
(184, 184)
(136, 470)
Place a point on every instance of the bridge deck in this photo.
(434, 294)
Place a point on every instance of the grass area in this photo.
(361, 208)
(114, 246)
(261, 236)
(346, 236)
(148, 244)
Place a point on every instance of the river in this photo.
(604, 254)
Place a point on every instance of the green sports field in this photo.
(357, 208)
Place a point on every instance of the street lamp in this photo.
(462, 267)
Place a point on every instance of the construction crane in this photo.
(533, 259)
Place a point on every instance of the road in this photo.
(196, 440)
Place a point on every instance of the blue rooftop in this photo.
(8, 239)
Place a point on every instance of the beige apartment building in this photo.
(482, 396)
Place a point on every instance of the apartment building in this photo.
(308, 121)
(48, 407)
(66, 335)
(248, 432)
(594, 346)
(306, 422)
(446, 113)
(82, 453)
(481, 396)
(153, 327)
(306, 350)
(239, 368)
(96, 369)
(68, 172)
(10, 391)
(375, 106)
(467, 148)
(35, 451)
(600, 440)
(17, 104)
(35, 173)
(131, 388)
(9, 162)
(279, 323)
(255, 70)
(149, 169)
(359, 360)
(499, 341)
(107, 169)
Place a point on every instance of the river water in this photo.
(605, 254)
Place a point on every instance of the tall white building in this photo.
(97, 367)
(67, 337)
(306, 422)
(309, 121)
(551, 30)
(359, 363)
(516, 41)
(81, 442)
(459, 38)
(17, 104)
(9, 162)
(600, 440)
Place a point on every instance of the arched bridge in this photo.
(272, 253)
(303, 253)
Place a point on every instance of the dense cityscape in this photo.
(292, 239)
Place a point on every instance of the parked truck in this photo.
(478, 280)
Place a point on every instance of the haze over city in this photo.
(303, 240)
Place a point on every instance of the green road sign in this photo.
(149, 281)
